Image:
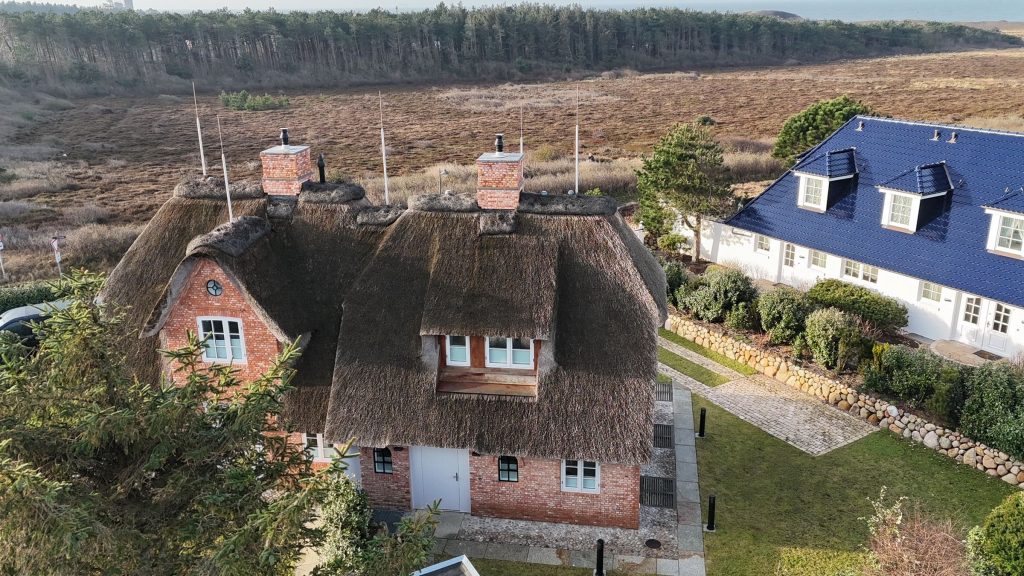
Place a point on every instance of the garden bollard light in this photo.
(711, 513)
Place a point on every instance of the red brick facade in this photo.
(499, 182)
(390, 491)
(538, 494)
(285, 171)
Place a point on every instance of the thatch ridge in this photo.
(232, 238)
(444, 202)
(379, 215)
(213, 188)
(500, 222)
(331, 192)
(567, 204)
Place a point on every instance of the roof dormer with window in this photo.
(493, 365)
(915, 197)
(825, 178)
(1006, 228)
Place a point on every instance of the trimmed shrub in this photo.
(672, 242)
(994, 411)
(882, 312)
(252, 102)
(25, 294)
(799, 346)
(996, 548)
(742, 317)
(783, 312)
(676, 275)
(831, 336)
(722, 290)
(919, 378)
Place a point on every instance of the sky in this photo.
(942, 10)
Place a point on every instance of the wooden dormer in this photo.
(479, 374)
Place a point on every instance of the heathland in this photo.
(96, 168)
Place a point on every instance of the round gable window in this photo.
(214, 288)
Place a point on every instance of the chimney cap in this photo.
(284, 136)
(499, 143)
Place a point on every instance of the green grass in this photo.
(695, 371)
(707, 352)
(503, 568)
(781, 511)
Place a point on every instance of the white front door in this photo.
(998, 327)
(439, 474)
(972, 321)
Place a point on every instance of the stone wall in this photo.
(843, 397)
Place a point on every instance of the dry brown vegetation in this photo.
(920, 547)
(124, 155)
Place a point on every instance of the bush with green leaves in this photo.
(800, 346)
(994, 411)
(672, 242)
(996, 548)
(882, 312)
(252, 102)
(676, 275)
(919, 378)
(783, 312)
(832, 337)
(811, 126)
(742, 317)
(25, 294)
(722, 290)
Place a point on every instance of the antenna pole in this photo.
(224, 167)
(383, 147)
(520, 127)
(199, 130)
(577, 189)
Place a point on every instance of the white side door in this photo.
(353, 467)
(998, 327)
(439, 474)
(971, 320)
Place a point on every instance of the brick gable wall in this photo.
(389, 491)
(538, 494)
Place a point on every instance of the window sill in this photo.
(225, 362)
(579, 491)
(493, 381)
(1014, 255)
(811, 208)
(896, 228)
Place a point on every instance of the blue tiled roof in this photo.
(950, 249)
(924, 180)
(830, 164)
(1013, 202)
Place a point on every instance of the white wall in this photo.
(935, 320)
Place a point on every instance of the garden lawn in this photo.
(707, 352)
(695, 371)
(503, 568)
(783, 512)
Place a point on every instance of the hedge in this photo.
(996, 547)
(832, 336)
(919, 378)
(24, 294)
(723, 290)
(882, 312)
(994, 410)
(783, 312)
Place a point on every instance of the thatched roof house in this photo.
(369, 289)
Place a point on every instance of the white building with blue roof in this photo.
(932, 215)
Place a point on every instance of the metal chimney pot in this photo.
(284, 136)
(321, 165)
(499, 143)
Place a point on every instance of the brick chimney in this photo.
(285, 167)
(499, 178)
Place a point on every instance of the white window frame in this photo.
(448, 351)
(993, 234)
(915, 209)
(802, 193)
(1001, 317)
(322, 447)
(579, 476)
(930, 288)
(811, 258)
(789, 255)
(757, 243)
(223, 320)
(865, 272)
(508, 350)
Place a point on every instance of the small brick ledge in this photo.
(878, 412)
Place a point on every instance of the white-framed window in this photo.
(318, 450)
(1001, 319)
(789, 255)
(581, 476)
(1011, 234)
(505, 352)
(762, 243)
(899, 210)
(860, 271)
(456, 350)
(931, 291)
(972, 310)
(813, 192)
(818, 259)
(222, 338)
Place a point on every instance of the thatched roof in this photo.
(368, 287)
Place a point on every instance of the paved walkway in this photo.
(689, 529)
(784, 412)
(698, 359)
(958, 352)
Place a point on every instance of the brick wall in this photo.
(499, 184)
(538, 494)
(389, 491)
(283, 174)
(261, 346)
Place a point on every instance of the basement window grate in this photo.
(663, 436)
(657, 492)
(663, 391)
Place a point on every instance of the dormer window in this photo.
(915, 197)
(813, 191)
(1006, 233)
(900, 211)
(509, 352)
(457, 350)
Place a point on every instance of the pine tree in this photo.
(811, 126)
